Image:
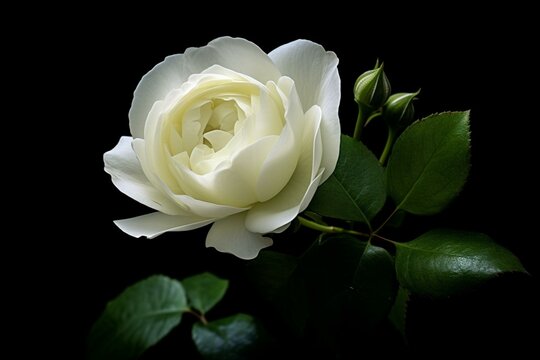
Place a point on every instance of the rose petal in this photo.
(151, 151)
(270, 216)
(294, 198)
(139, 147)
(127, 175)
(229, 235)
(206, 209)
(218, 138)
(190, 205)
(281, 229)
(234, 183)
(154, 224)
(316, 76)
(155, 85)
(282, 160)
(235, 54)
(232, 53)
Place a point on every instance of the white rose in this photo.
(229, 135)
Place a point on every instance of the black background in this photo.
(460, 59)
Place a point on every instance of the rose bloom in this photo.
(229, 135)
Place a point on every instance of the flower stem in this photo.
(388, 146)
(360, 120)
(328, 229)
(373, 116)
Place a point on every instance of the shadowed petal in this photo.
(229, 235)
(154, 224)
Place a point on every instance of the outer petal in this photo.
(127, 175)
(154, 224)
(268, 216)
(236, 54)
(231, 236)
(232, 53)
(316, 76)
(154, 86)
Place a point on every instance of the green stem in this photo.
(360, 120)
(385, 239)
(387, 220)
(388, 146)
(198, 315)
(328, 229)
(373, 116)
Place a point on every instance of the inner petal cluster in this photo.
(215, 133)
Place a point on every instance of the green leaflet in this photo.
(204, 291)
(232, 338)
(137, 319)
(429, 163)
(443, 262)
(343, 283)
(355, 191)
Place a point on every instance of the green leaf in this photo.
(137, 319)
(398, 313)
(355, 191)
(348, 284)
(204, 291)
(429, 163)
(231, 338)
(269, 273)
(444, 262)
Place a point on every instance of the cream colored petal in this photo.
(236, 54)
(229, 235)
(233, 53)
(154, 224)
(206, 209)
(316, 76)
(281, 229)
(140, 149)
(155, 85)
(282, 160)
(233, 181)
(294, 198)
(218, 139)
(127, 175)
(272, 215)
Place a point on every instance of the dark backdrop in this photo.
(460, 60)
